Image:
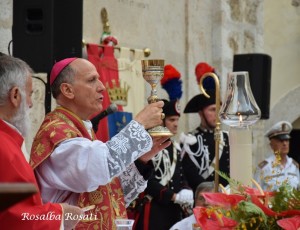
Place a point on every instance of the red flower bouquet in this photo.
(250, 208)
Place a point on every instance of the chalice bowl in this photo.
(153, 71)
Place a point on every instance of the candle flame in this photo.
(240, 120)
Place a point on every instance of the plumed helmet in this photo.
(172, 83)
(200, 101)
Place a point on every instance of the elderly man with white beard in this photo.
(15, 101)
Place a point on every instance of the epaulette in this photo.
(262, 164)
(296, 163)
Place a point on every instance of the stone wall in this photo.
(185, 33)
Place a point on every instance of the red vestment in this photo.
(14, 168)
(61, 125)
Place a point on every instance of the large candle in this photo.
(240, 143)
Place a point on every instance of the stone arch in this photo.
(287, 108)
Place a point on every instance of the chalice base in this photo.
(160, 131)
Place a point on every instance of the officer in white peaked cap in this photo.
(278, 169)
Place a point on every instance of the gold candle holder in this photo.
(153, 71)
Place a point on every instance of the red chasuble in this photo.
(29, 213)
(107, 67)
(61, 125)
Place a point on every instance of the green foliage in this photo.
(286, 198)
(235, 186)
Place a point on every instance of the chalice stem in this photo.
(153, 71)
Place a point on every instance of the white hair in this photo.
(13, 73)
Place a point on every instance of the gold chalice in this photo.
(153, 71)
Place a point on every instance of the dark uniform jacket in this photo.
(158, 210)
(199, 154)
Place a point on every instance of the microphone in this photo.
(110, 109)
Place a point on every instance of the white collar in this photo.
(89, 126)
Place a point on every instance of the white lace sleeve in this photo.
(133, 183)
(93, 163)
(125, 147)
